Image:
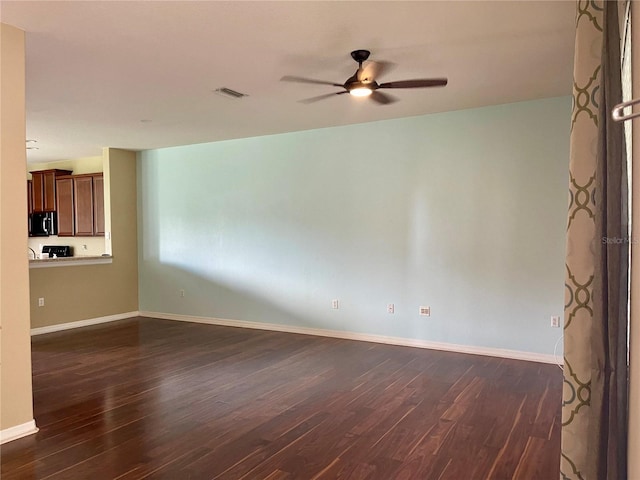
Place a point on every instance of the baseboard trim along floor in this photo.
(363, 337)
(19, 431)
(83, 323)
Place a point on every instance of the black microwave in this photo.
(43, 224)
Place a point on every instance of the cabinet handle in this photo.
(44, 225)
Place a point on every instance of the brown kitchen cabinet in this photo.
(98, 205)
(64, 200)
(29, 204)
(29, 197)
(80, 205)
(83, 206)
(43, 183)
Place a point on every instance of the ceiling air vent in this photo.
(227, 92)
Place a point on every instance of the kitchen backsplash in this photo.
(82, 246)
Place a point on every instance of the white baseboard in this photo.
(19, 431)
(362, 337)
(82, 323)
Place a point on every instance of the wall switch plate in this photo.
(181, 293)
(41, 302)
(390, 308)
(425, 311)
(334, 304)
(555, 321)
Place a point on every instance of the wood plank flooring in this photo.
(148, 398)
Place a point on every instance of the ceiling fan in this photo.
(363, 83)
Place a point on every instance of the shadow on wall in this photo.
(229, 300)
(490, 287)
(273, 298)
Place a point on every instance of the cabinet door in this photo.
(49, 194)
(83, 196)
(98, 206)
(29, 197)
(37, 183)
(64, 197)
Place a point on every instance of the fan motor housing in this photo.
(360, 55)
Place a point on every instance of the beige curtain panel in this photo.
(594, 413)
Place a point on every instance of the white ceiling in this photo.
(141, 74)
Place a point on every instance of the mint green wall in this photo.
(463, 211)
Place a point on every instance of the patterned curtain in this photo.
(594, 410)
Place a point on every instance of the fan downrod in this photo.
(360, 55)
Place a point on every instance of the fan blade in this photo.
(290, 78)
(382, 98)
(418, 83)
(321, 97)
(373, 70)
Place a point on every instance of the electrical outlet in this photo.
(425, 311)
(390, 308)
(41, 302)
(334, 304)
(555, 321)
(181, 293)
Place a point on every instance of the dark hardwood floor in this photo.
(146, 398)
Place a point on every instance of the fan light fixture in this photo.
(363, 83)
(361, 92)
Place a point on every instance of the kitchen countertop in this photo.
(70, 261)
